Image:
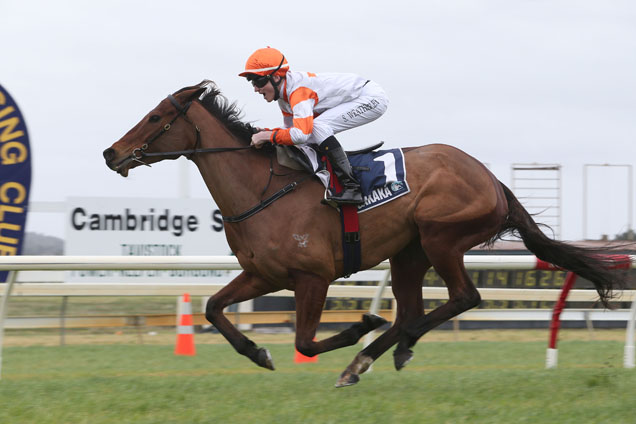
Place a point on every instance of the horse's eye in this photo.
(154, 118)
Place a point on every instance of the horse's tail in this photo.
(585, 262)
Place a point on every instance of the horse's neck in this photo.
(235, 179)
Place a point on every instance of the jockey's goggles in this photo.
(259, 81)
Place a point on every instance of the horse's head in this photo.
(161, 134)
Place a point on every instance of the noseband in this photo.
(140, 152)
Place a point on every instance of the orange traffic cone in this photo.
(299, 358)
(185, 329)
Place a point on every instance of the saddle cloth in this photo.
(382, 173)
(385, 179)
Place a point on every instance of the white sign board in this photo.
(145, 227)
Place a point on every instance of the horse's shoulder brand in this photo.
(302, 239)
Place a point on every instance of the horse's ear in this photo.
(192, 93)
(195, 94)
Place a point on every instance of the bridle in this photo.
(139, 153)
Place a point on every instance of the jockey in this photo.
(315, 107)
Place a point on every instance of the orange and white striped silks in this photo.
(305, 96)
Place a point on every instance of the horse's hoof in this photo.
(401, 358)
(347, 379)
(373, 321)
(265, 359)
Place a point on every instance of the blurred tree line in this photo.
(40, 244)
(627, 235)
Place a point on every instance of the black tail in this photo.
(590, 264)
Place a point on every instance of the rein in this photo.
(139, 153)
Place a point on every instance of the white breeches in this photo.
(371, 104)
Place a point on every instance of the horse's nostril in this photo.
(109, 154)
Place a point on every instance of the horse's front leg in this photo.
(244, 287)
(311, 292)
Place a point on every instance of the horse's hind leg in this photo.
(449, 264)
(311, 292)
(407, 271)
(244, 287)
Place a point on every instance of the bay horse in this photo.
(455, 203)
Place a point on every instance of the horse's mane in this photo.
(224, 110)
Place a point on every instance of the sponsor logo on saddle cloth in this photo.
(385, 179)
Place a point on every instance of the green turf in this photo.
(462, 382)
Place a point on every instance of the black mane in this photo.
(224, 110)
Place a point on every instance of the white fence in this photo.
(68, 263)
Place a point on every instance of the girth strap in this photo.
(351, 247)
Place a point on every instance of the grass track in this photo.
(463, 382)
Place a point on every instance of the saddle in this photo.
(295, 158)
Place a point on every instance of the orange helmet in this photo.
(267, 61)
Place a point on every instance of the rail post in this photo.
(552, 353)
(628, 361)
(4, 306)
(375, 307)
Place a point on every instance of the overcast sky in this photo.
(506, 81)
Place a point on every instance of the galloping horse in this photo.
(455, 203)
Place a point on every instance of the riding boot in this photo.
(351, 193)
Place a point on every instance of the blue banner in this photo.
(15, 177)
